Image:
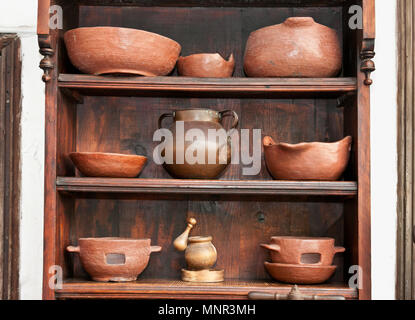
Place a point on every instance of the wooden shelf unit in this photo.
(176, 289)
(230, 87)
(119, 114)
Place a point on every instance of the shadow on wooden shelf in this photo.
(175, 289)
(79, 85)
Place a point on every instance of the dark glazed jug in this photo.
(204, 120)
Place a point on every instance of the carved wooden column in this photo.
(367, 52)
(44, 39)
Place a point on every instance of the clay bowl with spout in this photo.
(299, 274)
(302, 250)
(299, 47)
(111, 50)
(314, 161)
(206, 65)
(108, 165)
(114, 259)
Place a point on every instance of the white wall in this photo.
(384, 153)
(19, 16)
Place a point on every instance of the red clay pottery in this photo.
(203, 120)
(307, 161)
(108, 165)
(110, 50)
(299, 274)
(206, 65)
(302, 251)
(299, 47)
(114, 259)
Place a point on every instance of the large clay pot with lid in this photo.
(217, 152)
(299, 47)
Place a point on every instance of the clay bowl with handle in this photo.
(111, 50)
(108, 165)
(114, 259)
(302, 251)
(315, 161)
(206, 65)
(299, 274)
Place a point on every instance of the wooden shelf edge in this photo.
(237, 187)
(175, 289)
(208, 85)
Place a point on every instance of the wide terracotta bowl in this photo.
(206, 65)
(302, 250)
(314, 161)
(299, 47)
(114, 259)
(110, 50)
(299, 274)
(108, 165)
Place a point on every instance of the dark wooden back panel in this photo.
(212, 29)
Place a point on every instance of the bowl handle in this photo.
(339, 249)
(272, 247)
(73, 249)
(155, 248)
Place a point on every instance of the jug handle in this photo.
(232, 113)
(163, 116)
(272, 247)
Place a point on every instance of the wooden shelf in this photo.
(237, 187)
(175, 289)
(228, 87)
(212, 3)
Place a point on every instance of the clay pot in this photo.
(110, 50)
(307, 161)
(299, 47)
(206, 65)
(302, 251)
(203, 120)
(109, 165)
(200, 253)
(114, 259)
(299, 274)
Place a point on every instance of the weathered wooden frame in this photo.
(406, 149)
(10, 110)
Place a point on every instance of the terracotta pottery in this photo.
(109, 165)
(110, 50)
(204, 120)
(302, 251)
(206, 65)
(299, 274)
(307, 161)
(299, 47)
(114, 259)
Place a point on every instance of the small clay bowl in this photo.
(206, 65)
(302, 250)
(112, 50)
(114, 259)
(298, 274)
(108, 165)
(314, 161)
